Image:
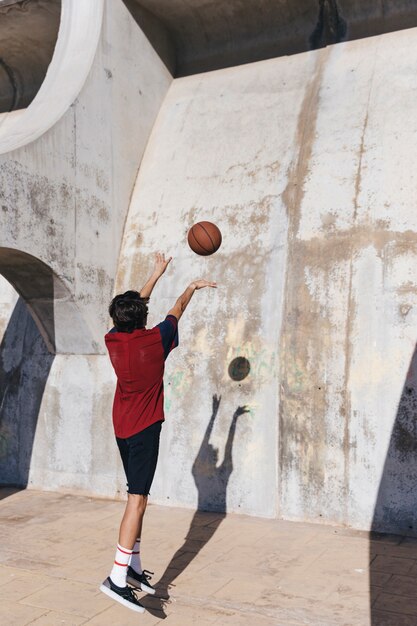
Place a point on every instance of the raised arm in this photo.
(184, 299)
(160, 266)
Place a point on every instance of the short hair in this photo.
(129, 311)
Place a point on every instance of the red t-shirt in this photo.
(138, 358)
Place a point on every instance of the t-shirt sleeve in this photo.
(169, 333)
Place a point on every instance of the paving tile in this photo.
(233, 570)
(14, 614)
(51, 618)
(374, 593)
(22, 561)
(382, 618)
(241, 590)
(403, 549)
(392, 564)
(413, 570)
(205, 583)
(7, 574)
(402, 585)
(379, 579)
(23, 585)
(248, 619)
(69, 597)
(349, 599)
(398, 604)
(179, 614)
(118, 615)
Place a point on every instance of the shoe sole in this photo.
(114, 596)
(140, 586)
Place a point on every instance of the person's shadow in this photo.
(211, 481)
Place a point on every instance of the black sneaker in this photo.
(124, 595)
(140, 581)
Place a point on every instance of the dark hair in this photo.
(129, 311)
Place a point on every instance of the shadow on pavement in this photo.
(5, 492)
(393, 542)
(211, 481)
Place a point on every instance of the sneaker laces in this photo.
(129, 593)
(147, 574)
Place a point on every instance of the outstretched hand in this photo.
(216, 402)
(161, 263)
(200, 284)
(241, 410)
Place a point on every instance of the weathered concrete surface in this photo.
(234, 179)
(79, 31)
(209, 569)
(217, 34)
(313, 192)
(300, 179)
(28, 33)
(75, 181)
(348, 326)
(194, 37)
(63, 202)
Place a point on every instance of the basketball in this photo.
(204, 238)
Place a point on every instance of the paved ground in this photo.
(56, 549)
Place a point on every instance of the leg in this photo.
(139, 532)
(131, 525)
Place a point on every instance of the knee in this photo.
(137, 502)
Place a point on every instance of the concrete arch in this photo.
(78, 37)
(49, 301)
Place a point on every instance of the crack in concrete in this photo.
(347, 408)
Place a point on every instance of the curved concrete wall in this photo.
(313, 190)
(64, 199)
(79, 31)
(28, 34)
(216, 34)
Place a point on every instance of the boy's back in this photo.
(138, 359)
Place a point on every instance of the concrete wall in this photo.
(217, 34)
(306, 163)
(311, 188)
(75, 182)
(64, 200)
(348, 330)
(28, 33)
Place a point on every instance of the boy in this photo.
(138, 357)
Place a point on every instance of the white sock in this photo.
(121, 561)
(135, 558)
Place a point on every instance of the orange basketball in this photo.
(204, 238)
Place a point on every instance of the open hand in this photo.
(200, 284)
(216, 403)
(161, 263)
(241, 410)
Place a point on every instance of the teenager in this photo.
(138, 357)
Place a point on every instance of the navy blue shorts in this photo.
(139, 456)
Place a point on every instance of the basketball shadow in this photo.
(25, 363)
(211, 481)
(393, 569)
